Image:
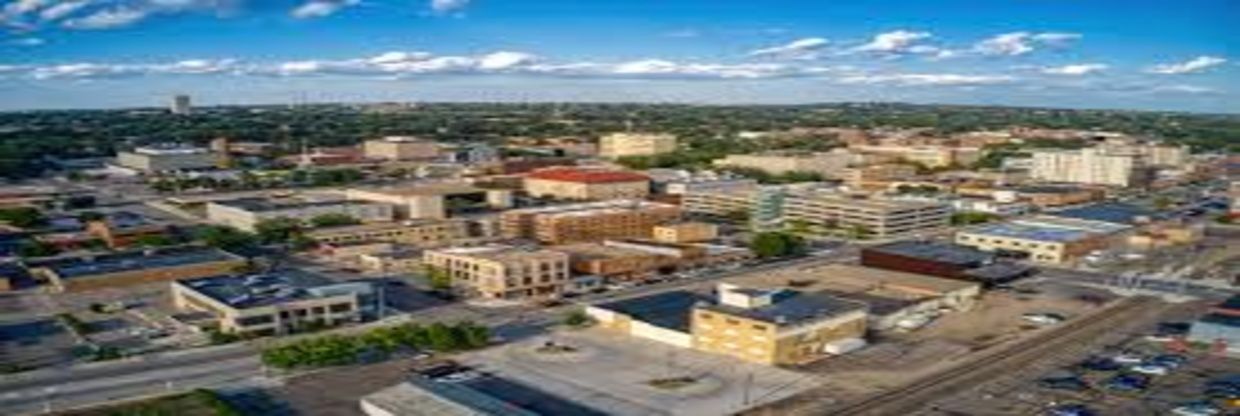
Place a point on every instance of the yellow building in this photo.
(686, 232)
(1041, 239)
(617, 145)
(877, 176)
(502, 272)
(587, 222)
(928, 156)
(400, 148)
(420, 233)
(586, 184)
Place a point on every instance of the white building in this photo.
(1088, 166)
(180, 105)
(157, 159)
(246, 213)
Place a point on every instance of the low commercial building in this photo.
(275, 304)
(992, 206)
(928, 156)
(686, 232)
(830, 165)
(877, 176)
(91, 272)
(159, 159)
(615, 263)
(502, 272)
(617, 145)
(586, 184)
(416, 396)
(687, 256)
(435, 200)
(587, 222)
(246, 213)
(822, 209)
(420, 233)
(392, 261)
(400, 148)
(942, 260)
(122, 229)
(1047, 196)
(1040, 241)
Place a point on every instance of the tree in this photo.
(442, 337)
(277, 230)
(35, 248)
(438, 278)
(1163, 202)
(859, 232)
(576, 318)
(334, 220)
(776, 244)
(155, 240)
(226, 238)
(24, 217)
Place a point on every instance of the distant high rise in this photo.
(180, 104)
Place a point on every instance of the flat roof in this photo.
(422, 189)
(267, 205)
(852, 278)
(587, 175)
(940, 252)
(251, 291)
(71, 267)
(1113, 212)
(497, 252)
(793, 308)
(1029, 232)
(380, 226)
(670, 310)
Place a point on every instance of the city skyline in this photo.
(1093, 54)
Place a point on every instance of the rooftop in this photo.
(1029, 232)
(500, 253)
(71, 267)
(587, 175)
(425, 189)
(940, 252)
(670, 310)
(1113, 212)
(793, 308)
(854, 279)
(268, 205)
(253, 291)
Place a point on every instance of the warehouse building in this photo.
(90, 272)
(246, 213)
(174, 158)
(943, 260)
(586, 184)
(275, 304)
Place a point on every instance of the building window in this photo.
(760, 327)
(255, 320)
(341, 307)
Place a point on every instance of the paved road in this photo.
(1198, 289)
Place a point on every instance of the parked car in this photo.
(1226, 388)
(1151, 369)
(1197, 409)
(1070, 383)
(459, 377)
(1129, 382)
(1171, 361)
(1070, 410)
(1128, 357)
(1100, 364)
(1044, 318)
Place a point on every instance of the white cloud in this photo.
(1020, 43)
(505, 59)
(898, 41)
(1053, 38)
(448, 6)
(27, 42)
(806, 48)
(1197, 64)
(321, 8)
(60, 10)
(1185, 89)
(108, 19)
(1075, 69)
(683, 33)
(926, 79)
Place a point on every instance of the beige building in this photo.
(586, 184)
(434, 200)
(156, 159)
(1041, 239)
(400, 148)
(587, 222)
(1088, 166)
(246, 213)
(877, 176)
(502, 272)
(263, 305)
(686, 232)
(928, 156)
(420, 233)
(828, 164)
(617, 145)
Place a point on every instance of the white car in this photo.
(1043, 318)
(1196, 409)
(459, 377)
(1151, 369)
(1128, 358)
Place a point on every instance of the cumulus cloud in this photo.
(1198, 64)
(1075, 69)
(805, 48)
(899, 41)
(1020, 43)
(448, 6)
(90, 70)
(321, 8)
(27, 42)
(60, 10)
(926, 79)
(107, 19)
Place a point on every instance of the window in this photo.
(341, 307)
(255, 320)
(759, 327)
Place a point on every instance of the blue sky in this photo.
(1137, 54)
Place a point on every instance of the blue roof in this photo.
(1029, 232)
(1113, 212)
(794, 308)
(249, 291)
(134, 260)
(669, 310)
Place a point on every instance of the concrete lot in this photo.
(611, 373)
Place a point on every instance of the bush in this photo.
(576, 318)
(340, 350)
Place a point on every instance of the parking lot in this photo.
(620, 375)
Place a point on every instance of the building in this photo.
(502, 272)
(829, 165)
(180, 105)
(122, 229)
(687, 256)
(163, 159)
(586, 184)
(1043, 242)
(1045, 197)
(686, 232)
(617, 145)
(393, 261)
(1219, 327)
(275, 304)
(1089, 166)
(91, 272)
(928, 156)
(471, 153)
(942, 260)
(992, 206)
(587, 222)
(416, 396)
(435, 200)
(419, 233)
(616, 263)
(702, 184)
(1110, 212)
(824, 210)
(246, 213)
(877, 176)
(400, 148)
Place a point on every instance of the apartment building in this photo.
(247, 212)
(419, 233)
(876, 216)
(617, 145)
(274, 304)
(1093, 166)
(686, 232)
(400, 148)
(159, 159)
(121, 269)
(586, 184)
(587, 222)
(928, 156)
(435, 200)
(828, 164)
(502, 272)
(615, 263)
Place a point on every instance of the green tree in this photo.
(277, 230)
(442, 337)
(473, 335)
(227, 238)
(776, 244)
(334, 220)
(35, 248)
(24, 217)
(438, 278)
(576, 318)
(970, 218)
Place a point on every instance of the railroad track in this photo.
(911, 397)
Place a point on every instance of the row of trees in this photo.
(776, 244)
(347, 349)
(248, 180)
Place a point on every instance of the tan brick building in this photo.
(618, 145)
(502, 272)
(588, 222)
(400, 148)
(586, 184)
(420, 233)
(686, 232)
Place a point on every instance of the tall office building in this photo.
(1088, 166)
(180, 105)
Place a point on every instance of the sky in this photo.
(1118, 54)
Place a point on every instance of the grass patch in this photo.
(672, 383)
